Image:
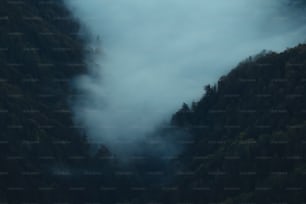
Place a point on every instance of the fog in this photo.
(148, 57)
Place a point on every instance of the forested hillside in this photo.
(44, 156)
(245, 142)
(248, 133)
(40, 53)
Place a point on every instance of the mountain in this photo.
(40, 53)
(248, 134)
(44, 156)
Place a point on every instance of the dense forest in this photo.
(246, 135)
(40, 53)
(44, 156)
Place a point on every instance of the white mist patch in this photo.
(158, 54)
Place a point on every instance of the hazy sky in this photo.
(158, 54)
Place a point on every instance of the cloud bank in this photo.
(155, 55)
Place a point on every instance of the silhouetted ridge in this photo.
(40, 54)
(249, 132)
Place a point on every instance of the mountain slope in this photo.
(39, 56)
(44, 156)
(248, 134)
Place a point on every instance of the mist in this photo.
(148, 57)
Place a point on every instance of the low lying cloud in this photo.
(155, 55)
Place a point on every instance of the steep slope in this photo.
(248, 134)
(44, 157)
(40, 53)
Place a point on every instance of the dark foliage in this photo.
(40, 54)
(44, 158)
(248, 134)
